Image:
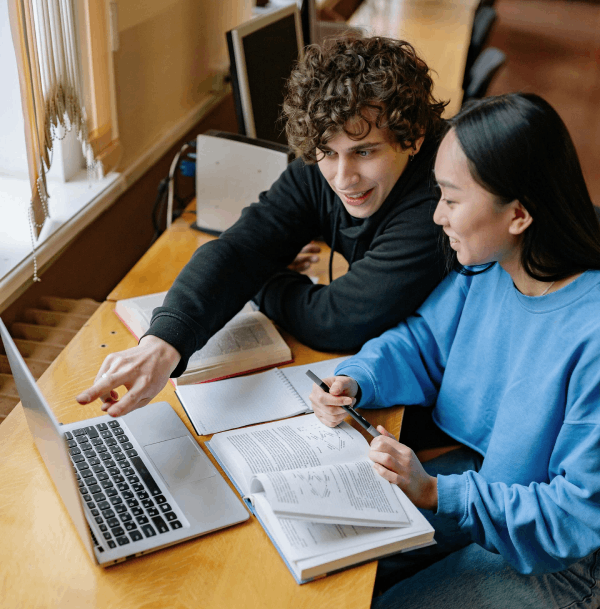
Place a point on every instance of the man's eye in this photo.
(363, 152)
(324, 154)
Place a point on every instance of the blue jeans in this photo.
(458, 574)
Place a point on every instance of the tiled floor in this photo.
(553, 49)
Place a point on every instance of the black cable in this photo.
(158, 208)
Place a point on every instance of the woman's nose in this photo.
(439, 215)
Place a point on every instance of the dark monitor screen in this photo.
(308, 17)
(270, 54)
(258, 78)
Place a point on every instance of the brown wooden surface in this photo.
(440, 30)
(43, 562)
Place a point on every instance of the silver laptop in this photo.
(131, 485)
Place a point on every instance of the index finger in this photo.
(386, 442)
(102, 388)
(384, 432)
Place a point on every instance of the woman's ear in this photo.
(521, 219)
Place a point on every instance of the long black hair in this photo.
(518, 147)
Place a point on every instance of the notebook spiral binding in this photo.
(284, 379)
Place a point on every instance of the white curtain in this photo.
(58, 52)
(49, 37)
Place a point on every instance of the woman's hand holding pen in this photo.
(399, 465)
(327, 406)
(143, 370)
(392, 460)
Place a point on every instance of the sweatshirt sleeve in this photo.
(405, 364)
(224, 274)
(544, 526)
(394, 277)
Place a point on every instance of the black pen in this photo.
(360, 420)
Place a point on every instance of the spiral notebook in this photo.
(267, 396)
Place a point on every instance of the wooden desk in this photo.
(440, 31)
(45, 565)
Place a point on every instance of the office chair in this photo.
(483, 22)
(482, 72)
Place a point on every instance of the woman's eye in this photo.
(444, 200)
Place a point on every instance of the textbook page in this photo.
(301, 540)
(296, 443)
(243, 337)
(136, 313)
(343, 493)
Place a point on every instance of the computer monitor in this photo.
(308, 17)
(262, 52)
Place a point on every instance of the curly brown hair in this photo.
(351, 76)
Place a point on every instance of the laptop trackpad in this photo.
(180, 461)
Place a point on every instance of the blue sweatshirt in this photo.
(517, 379)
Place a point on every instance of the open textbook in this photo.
(247, 400)
(316, 494)
(248, 342)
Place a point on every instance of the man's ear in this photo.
(521, 219)
(418, 144)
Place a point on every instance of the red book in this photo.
(249, 342)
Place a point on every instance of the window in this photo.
(68, 184)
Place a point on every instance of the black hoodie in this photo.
(394, 257)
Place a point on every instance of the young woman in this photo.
(508, 351)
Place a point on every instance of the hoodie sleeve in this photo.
(224, 274)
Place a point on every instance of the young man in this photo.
(363, 122)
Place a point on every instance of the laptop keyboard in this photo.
(120, 492)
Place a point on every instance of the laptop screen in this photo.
(47, 436)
